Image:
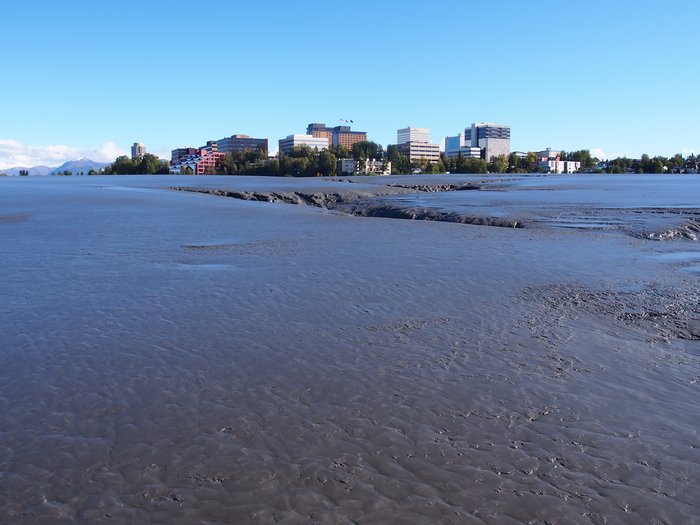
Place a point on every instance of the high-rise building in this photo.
(320, 130)
(337, 136)
(138, 150)
(457, 145)
(405, 135)
(415, 144)
(237, 144)
(343, 136)
(287, 144)
(493, 139)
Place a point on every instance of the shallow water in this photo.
(170, 357)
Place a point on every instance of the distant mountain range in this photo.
(74, 166)
(36, 170)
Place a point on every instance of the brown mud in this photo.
(169, 357)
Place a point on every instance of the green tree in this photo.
(340, 151)
(399, 162)
(366, 150)
(123, 165)
(514, 163)
(676, 162)
(327, 163)
(229, 165)
(622, 165)
(471, 165)
(529, 163)
(302, 151)
(148, 164)
(652, 165)
(583, 156)
(498, 164)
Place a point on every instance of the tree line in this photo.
(303, 161)
(146, 165)
(656, 164)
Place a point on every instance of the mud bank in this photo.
(359, 206)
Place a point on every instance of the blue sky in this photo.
(89, 78)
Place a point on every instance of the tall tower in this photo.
(493, 139)
(138, 150)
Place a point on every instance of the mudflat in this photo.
(257, 350)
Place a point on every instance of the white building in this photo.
(548, 154)
(420, 150)
(406, 135)
(559, 166)
(138, 150)
(318, 143)
(415, 144)
(365, 167)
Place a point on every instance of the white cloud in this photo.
(15, 154)
(600, 154)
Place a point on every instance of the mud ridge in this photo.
(689, 230)
(432, 188)
(351, 204)
(320, 200)
(429, 214)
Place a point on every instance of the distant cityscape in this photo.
(484, 140)
(483, 147)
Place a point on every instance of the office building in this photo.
(493, 139)
(201, 162)
(457, 145)
(287, 144)
(420, 151)
(344, 136)
(237, 144)
(406, 135)
(337, 136)
(415, 144)
(138, 150)
(179, 153)
(320, 130)
(208, 162)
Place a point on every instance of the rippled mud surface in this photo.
(179, 357)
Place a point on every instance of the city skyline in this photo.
(614, 79)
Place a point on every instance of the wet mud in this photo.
(171, 357)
